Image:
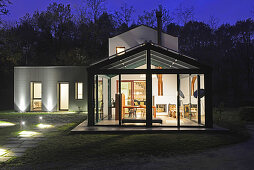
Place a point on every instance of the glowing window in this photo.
(36, 93)
(79, 90)
(120, 50)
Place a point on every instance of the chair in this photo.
(132, 112)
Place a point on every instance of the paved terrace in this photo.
(83, 128)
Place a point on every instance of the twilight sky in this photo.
(227, 11)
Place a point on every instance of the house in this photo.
(144, 81)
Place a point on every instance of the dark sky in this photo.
(227, 11)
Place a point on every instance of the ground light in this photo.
(4, 124)
(44, 126)
(28, 133)
(3, 152)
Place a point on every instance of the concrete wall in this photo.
(49, 77)
(138, 36)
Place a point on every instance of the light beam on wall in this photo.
(50, 105)
(22, 104)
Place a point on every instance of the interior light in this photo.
(40, 117)
(28, 133)
(44, 126)
(23, 122)
(3, 152)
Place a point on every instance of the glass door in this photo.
(63, 96)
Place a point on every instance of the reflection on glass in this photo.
(106, 100)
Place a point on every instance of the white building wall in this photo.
(138, 36)
(49, 77)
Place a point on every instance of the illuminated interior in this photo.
(140, 93)
(120, 50)
(64, 96)
(79, 90)
(36, 93)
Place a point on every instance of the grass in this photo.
(32, 119)
(62, 147)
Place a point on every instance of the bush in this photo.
(247, 113)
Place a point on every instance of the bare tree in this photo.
(97, 7)
(149, 18)
(3, 8)
(213, 22)
(83, 13)
(184, 14)
(124, 15)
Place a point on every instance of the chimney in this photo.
(159, 25)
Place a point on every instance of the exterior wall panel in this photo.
(49, 77)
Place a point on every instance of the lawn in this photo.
(32, 119)
(63, 149)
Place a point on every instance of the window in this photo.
(36, 96)
(120, 50)
(79, 90)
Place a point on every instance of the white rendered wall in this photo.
(49, 77)
(138, 36)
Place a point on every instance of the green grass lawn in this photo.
(32, 119)
(62, 147)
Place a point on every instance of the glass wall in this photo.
(164, 99)
(121, 99)
(202, 98)
(105, 100)
(189, 96)
(133, 89)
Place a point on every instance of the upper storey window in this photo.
(120, 50)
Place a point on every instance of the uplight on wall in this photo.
(22, 105)
(50, 105)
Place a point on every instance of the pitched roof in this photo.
(160, 56)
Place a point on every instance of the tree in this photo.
(123, 16)
(213, 22)
(97, 7)
(184, 14)
(149, 18)
(3, 8)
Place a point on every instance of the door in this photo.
(64, 96)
